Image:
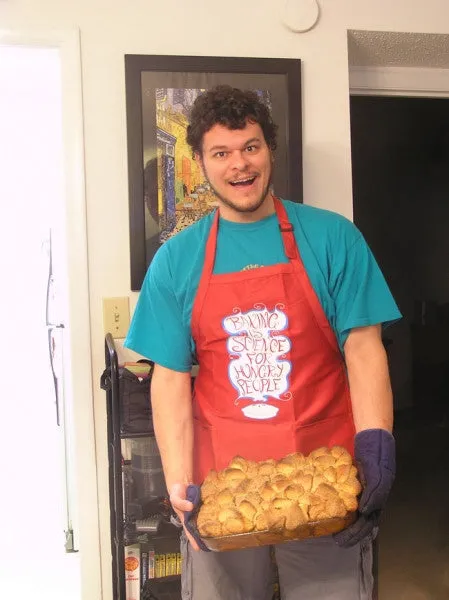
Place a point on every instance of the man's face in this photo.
(237, 164)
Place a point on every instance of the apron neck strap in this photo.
(211, 247)
(287, 230)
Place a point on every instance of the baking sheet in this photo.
(266, 538)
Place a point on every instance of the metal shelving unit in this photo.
(122, 527)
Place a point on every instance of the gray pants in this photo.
(315, 569)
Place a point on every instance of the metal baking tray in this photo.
(252, 539)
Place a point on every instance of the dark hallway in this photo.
(400, 154)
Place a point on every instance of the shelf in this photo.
(166, 579)
(126, 436)
(167, 532)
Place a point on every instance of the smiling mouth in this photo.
(243, 182)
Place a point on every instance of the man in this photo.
(282, 305)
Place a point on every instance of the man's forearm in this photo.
(369, 380)
(171, 400)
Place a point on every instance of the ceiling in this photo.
(398, 49)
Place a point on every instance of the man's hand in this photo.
(375, 455)
(184, 499)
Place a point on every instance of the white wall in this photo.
(109, 29)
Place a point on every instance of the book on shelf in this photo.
(132, 572)
(151, 563)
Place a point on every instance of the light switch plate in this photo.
(116, 316)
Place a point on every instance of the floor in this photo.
(414, 538)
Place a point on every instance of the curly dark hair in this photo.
(231, 107)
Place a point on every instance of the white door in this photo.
(38, 558)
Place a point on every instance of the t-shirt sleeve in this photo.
(157, 329)
(360, 292)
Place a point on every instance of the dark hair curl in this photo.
(231, 107)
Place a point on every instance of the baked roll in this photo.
(278, 495)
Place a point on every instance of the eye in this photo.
(220, 154)
(251, 148)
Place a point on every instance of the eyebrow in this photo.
(219, 148)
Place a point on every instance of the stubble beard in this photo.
(242, 209)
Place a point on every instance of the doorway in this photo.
(400, 160)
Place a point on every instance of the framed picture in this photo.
(166, 189)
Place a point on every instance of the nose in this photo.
(239, 160)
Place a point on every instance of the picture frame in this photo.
(165, 190)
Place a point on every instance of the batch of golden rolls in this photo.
(275, 495)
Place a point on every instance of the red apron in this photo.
(272, 378)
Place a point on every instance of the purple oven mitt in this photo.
(193, 494)
(375, 456)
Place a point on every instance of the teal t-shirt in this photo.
(339, 263)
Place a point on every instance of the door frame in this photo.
(398, 81)
(78, 388)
